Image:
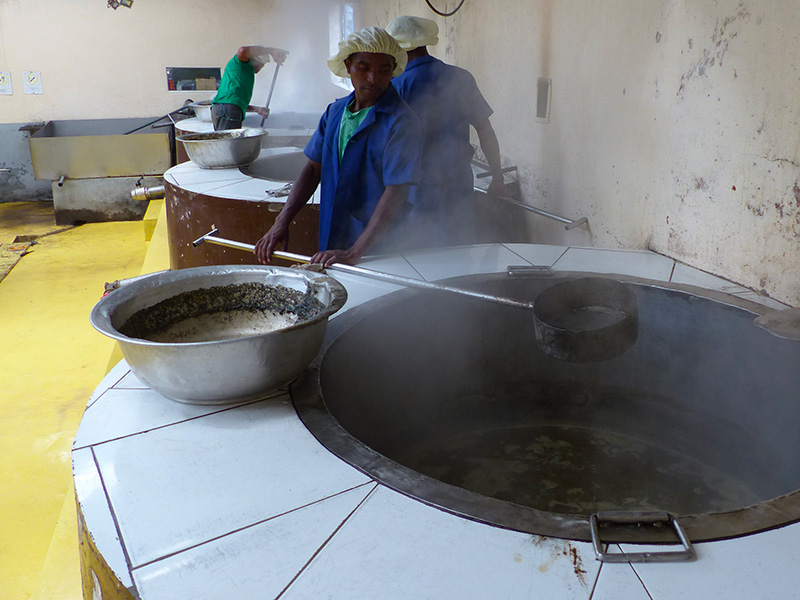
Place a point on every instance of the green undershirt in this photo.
(350, 123)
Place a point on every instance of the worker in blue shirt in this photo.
(447, 100)
(365, 153)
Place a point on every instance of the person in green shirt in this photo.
(236, 88)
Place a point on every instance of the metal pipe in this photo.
(142, 193)
(5, 170)
(61, 180)
(271, 88)
(166, 116)
(353, 270)
(570, 223)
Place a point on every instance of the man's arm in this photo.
(491, 150)
(392, 199)
(301, 193)
(246, 53)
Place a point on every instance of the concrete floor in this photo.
(52, 360)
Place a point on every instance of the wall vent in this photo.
(543, 90)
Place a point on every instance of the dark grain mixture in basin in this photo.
(222, 312)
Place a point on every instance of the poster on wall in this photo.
(32, 80)
(5, 84)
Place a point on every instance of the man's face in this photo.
(371, 74)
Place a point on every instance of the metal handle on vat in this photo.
(635, 518)
(570, 223)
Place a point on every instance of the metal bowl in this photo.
(223, 371)
(202, 110)
(223, 149)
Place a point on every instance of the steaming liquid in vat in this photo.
(578, 470)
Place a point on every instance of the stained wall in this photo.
(673, 123)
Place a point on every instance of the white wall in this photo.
(674, 123)
(96, 62)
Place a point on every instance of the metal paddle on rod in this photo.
(579, 320)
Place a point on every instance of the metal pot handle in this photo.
(635, 518)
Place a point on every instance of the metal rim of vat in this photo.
(308, 400)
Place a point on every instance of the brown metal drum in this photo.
(191, 215)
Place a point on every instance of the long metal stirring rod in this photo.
(353, 270)
(271, 88)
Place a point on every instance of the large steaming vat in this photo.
(698, 419)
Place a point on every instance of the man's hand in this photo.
(266, 245)
(264, 112)
(278, 55)
(330, 257)
(497, 187)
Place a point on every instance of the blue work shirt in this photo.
(447, 100)
(384, 150)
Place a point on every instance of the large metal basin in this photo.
(451, 401)
(224, 371)
(202, 111)
(223, 149)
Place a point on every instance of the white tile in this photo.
(178, 486)
(394, 547)
(758, 567)
(618, 581)
(257, 562)
(247, 189)
(188, 175)
(394, 264)
(212, 188)
(97, 514)
(638, 263)
(113, 377)
(123, 412)
(761, 299)
(538, 254)
(687, 275)
(442, 263)
(131, 382)
(361, 289)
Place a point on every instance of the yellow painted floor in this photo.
(51, 361)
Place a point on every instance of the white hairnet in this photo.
(413, 32)
(369, 39)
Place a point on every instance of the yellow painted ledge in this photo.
(156, 258)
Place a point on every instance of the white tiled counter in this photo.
(201, 502)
